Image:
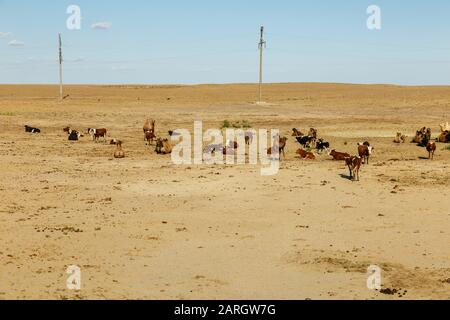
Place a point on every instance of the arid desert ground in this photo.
(144, 228)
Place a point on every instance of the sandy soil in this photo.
(143, 228)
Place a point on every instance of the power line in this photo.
(60, 68)
(262, 45)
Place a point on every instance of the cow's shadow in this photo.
(424, 158)
(345, 176)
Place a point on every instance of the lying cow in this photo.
(74, 135)
(305, 154)
(400, 138)
(445, 127)
(163, 146)
(29, 129)
(423, 136)
(354, 165)
(212, 149)
(339, 156)
(115, 142)
(444, 137)
(119, 154)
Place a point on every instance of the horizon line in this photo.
(225, 83)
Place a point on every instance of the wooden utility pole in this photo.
(262, 43)
(60, 69)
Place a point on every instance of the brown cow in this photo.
(313, 134)
(339, 156)
(296, 133)
(365, 151)
(354, 165)
(150, 137)
(163, 146)
(149, 125)
(305, 154)
(445, 127)
(230, 148)
(96, 134)
(280, 146)
(431, 148)
(249, 138)
(444, 137)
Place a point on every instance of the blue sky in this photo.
(215, 41)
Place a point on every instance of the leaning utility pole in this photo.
(262, 44)
(60, 68)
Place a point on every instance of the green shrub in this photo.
(226, 124)
(236, 125)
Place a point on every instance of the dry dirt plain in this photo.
(143, 228)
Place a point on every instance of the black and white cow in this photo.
(29, 129)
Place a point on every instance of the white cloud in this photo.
(102, 25)
(5, 34)
(16, 43)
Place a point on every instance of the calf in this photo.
(305, 154)
(339, 156)
(354, 165)
(322, 145)
(149, 137)
(431, 148)
(365, 151)
(29, 129)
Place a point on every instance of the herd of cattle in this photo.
(308, 142)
